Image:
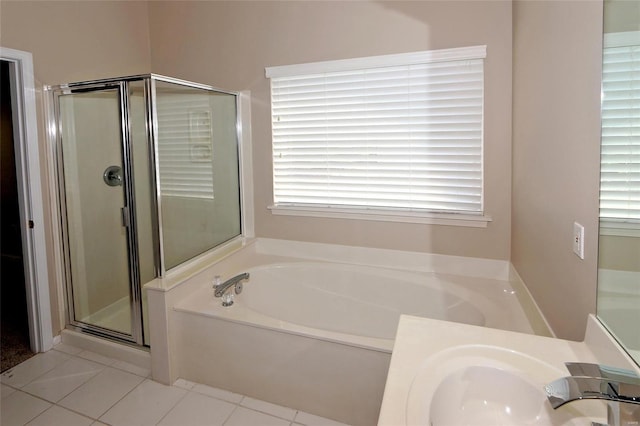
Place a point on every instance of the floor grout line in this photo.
(69, 409)
(174, 405)
(230, 414)
(123, 397)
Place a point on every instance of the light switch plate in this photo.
(578, 240)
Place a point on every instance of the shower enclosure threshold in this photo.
(137, 359)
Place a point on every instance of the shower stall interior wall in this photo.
(148, 171)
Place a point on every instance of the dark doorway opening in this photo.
(14, 321)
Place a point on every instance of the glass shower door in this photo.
(94, 182)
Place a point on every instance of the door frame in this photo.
(31, 201)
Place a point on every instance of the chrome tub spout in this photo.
(231, 282)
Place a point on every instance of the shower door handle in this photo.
(124, 216)
(112, 176)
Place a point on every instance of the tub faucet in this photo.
(221, 289)
(620, 388)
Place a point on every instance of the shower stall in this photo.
(148, 177)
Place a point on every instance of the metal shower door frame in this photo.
(152, 130)
(129, 212)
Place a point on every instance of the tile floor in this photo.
(68, 386)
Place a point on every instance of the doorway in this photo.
(25, 242)
(15, 346)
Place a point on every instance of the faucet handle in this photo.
(217, 280)
(586, 369)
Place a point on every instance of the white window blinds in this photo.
(399, 132)
(620, 161)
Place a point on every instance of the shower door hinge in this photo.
(124, 212)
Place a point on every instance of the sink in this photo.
(490, 385)
(444, 373)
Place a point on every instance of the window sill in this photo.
(449, 219)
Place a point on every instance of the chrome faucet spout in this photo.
(231, 282)
(568, 389)
(621, 388)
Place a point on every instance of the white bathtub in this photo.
(317, 335)
(354, 304)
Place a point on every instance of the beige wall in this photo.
(228, 44)
(74, 41)
(556, 146)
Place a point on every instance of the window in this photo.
(394, 135)
(620, 160)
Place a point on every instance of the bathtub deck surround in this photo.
(430, 355)
(279, 343)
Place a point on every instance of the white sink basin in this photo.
(490, 385)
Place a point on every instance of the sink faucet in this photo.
(620, 388)
(221, 289)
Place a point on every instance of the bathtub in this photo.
(352, 304)
(314, 333)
